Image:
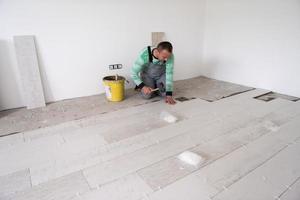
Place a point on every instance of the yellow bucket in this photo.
(114, 88)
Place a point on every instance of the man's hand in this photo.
(170, 100)
(147, 90)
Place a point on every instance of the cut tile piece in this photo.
(130, 187)
(64, 188)
(189, 188)
(15, 182)
(77, 152)
(29, 71)
(28, 154)
(165, 172)
(130, 126)
(11, 140)
(85, 136)
(59, 129)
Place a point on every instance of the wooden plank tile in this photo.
(62, 128)
(191, 188)
(130, 187)
(64, 188)
(15, 182)
(165, 172)
(10, 140)
(27, 154)
(89, 136)
(76, 153)
(130, 126)
(269, 179)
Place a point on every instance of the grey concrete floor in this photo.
(19, 120)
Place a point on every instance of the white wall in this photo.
(78, 39)
(254, 42)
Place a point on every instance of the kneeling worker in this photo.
(152, 72)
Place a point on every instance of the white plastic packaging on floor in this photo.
(190, 158)
(166, 116)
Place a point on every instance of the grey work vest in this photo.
(154, 70)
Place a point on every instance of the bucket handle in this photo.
(116, 78)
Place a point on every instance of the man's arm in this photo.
(137, 68)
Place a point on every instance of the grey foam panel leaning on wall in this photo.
(28, 67)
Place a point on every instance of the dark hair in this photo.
(165, 46)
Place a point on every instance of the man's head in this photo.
(163, 51)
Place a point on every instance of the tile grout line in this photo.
(31, 185)
(85, 179)
(288, 187)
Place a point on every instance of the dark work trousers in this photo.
(154, 76)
